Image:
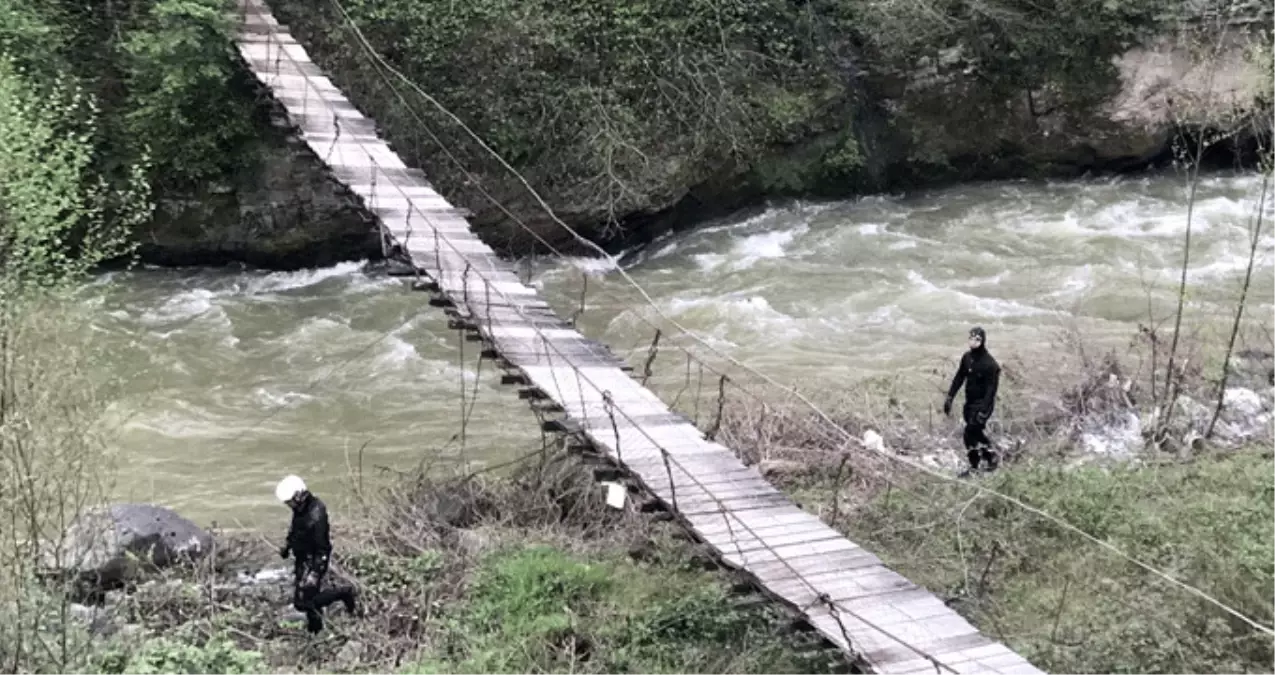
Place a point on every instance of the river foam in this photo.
(236, 377)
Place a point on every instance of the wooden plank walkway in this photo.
(887, 623)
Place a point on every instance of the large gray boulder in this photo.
(107, 546)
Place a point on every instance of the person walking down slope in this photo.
(311, 547)
(980, 373)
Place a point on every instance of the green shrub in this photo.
(162, 655)
(539, 609)
(181, 106)
(162, 73)
(58, 219)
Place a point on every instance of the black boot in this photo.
(972, 455)
(313, 621)
(991, 459)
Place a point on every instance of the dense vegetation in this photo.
(58, 219)
(618, 109)
(159, 71)
(166, 81)
(626, 116)
(530, 583)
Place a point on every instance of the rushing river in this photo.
(234, 378)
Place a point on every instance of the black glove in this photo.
(981, 417)
(947, 406)
(283, 552)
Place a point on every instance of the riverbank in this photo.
(534, 573)
(664, 116)
(529, 573)
(1068, 605)
(589, 589)
(1001, 548)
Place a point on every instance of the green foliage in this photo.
(28, 36)
(379, 572)
(57, 219)
(162, 73)
(1014, 45)
(181, 108)
(616, 107)
(609, 106)
(534, 590)
(844, 158)
(539, 609)
(1069, 606)
(162, 655)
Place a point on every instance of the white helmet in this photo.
(288, 488)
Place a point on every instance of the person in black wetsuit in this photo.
(980, 374)
(309, 544)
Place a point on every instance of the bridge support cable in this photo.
(787, 390)
(669, 462)
(888, 641)
(650, 358)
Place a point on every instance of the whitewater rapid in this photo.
(234, 377)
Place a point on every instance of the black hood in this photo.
(302, 504)
(977, 331)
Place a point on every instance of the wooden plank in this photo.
(844, 561)
(746, 542)
(916, 655)
(752, 526)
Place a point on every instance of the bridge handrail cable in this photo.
(667, 457)
(848, 437)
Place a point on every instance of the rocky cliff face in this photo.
(280, 209)
(961, 127)
(857, 131)
(1227, 86)
(938, 123)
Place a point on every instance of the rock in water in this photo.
(106, 546)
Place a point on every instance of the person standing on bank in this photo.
(311, 547)
(980, 373)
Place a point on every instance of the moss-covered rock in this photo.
(231, 184)
(278, 208)
(631, 117)
(1209, 85)
(613, 111)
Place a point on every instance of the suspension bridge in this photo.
(882, 621)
